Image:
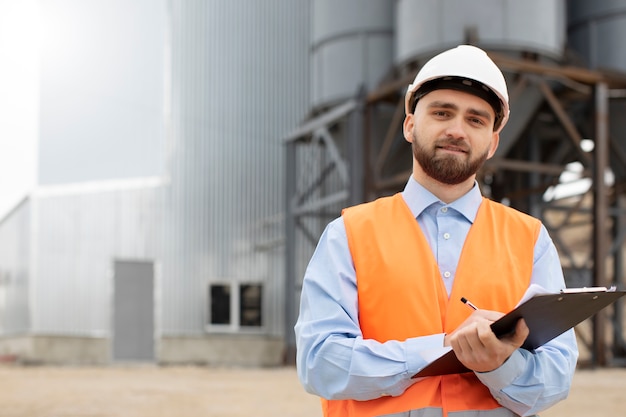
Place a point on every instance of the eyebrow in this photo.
(452, 106)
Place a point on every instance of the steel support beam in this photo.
(314, 198)
(289, 354)
(601, 234)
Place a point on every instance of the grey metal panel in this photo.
(597, 30)
(239, 82)
(77, 236)
(133, 336)
(352, 45)
(427, 26)
(15, 240)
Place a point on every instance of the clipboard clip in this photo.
(612, 288)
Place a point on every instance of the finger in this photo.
(475, 353)
(521, 333)
(480, 315)
(461, 341)
(489, 315)
(473, 339)
(486, 337)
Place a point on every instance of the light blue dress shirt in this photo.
(335, 362)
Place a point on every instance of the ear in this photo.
(494, 144)
(408, 125)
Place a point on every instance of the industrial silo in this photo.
(238, 80)
(596, 33)
(425, 27)
(351, 47)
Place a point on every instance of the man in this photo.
(382, 292)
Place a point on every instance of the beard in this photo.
(447, 169)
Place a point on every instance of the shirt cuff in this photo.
(504, 376)
(420, 351)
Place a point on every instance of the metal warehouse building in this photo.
(191, 152)
(155, 232)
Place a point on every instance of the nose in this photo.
(455, 128)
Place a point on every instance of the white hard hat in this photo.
(462, 67)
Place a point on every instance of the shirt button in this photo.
(447, 274)
(446, 236)
(444, 209)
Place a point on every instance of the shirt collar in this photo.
(419, 199)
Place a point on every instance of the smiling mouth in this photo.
(453, 149)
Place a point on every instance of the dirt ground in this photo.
(153, 391)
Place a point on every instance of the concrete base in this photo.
(55, 350)
(223, 350)
(219, 350)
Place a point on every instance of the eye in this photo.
(476, 121)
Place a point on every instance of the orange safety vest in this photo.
(401, 293)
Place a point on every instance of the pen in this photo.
(468, 303)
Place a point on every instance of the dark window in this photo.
(220, 303)
(250, 296)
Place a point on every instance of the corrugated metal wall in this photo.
(78, 233)
(15, 254)
(239, 82)
(236, 82)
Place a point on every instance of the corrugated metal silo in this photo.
(596, 31)
(428, 26)
(239, 81)
(352, 45)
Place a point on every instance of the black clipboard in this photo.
(547, 316)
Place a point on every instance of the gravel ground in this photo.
(152, 391)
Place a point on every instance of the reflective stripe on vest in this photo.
(401, 295)
(437, 412)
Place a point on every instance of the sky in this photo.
(19, 39)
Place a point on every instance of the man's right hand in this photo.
(478, 348)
